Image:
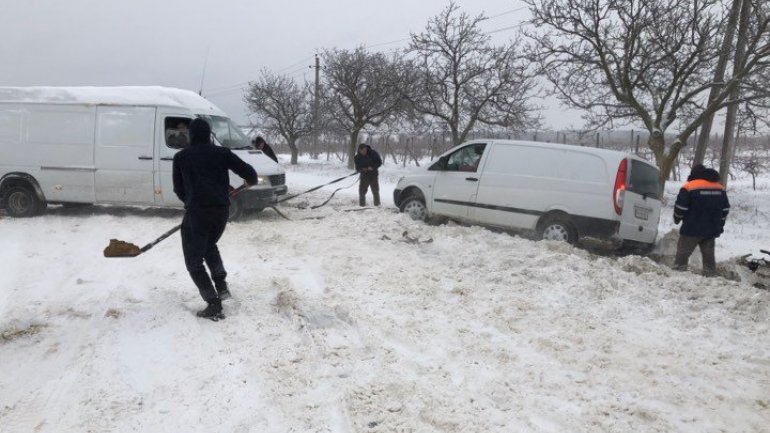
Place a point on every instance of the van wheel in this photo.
(236, 209)
(22, 202)
(557, 228)
(415, 207)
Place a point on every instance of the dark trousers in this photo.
(201, 230)
(685, 248)
(367, 180)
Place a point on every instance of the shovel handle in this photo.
(233, 193)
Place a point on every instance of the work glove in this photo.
(677, 220)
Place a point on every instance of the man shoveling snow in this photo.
(201, 181)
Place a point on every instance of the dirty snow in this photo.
(365, 321)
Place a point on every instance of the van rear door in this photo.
(639, 202)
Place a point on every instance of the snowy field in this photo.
(365, 321)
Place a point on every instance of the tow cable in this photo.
(293, 196)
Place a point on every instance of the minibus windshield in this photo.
(227, 133)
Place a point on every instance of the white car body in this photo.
(525, 185)
(109, 145)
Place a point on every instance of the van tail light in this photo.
(619, 192)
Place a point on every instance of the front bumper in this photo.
(260, 198)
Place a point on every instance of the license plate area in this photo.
(642, 213)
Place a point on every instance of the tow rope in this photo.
(293, 196)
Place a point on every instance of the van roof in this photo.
(128, 95)
(606, 153)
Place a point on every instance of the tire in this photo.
(558, 228)
(21, 202)
(415, 207)
(236, 209)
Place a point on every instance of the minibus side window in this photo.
(177, 132)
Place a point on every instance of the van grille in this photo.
(277, 179)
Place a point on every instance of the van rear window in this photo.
(644, 179)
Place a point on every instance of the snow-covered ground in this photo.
(365, 321)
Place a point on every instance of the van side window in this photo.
(466, 159)
(177, 132)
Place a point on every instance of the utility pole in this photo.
(316, 100)
(732, 111)
(719, 76)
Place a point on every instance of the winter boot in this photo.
(212, 312)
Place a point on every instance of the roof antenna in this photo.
(203, 74)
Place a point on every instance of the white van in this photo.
(560, 192)
(111, 145)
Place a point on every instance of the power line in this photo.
(294, 64)
(237, 87)
(516, 26)
(388, 43)
(218, 90)
(508, 12)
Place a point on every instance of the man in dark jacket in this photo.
(702, 207)
(201, 181)
(367, 162)
(262, 145)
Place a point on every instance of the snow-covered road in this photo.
(342, 323)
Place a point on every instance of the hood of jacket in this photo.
(200, 132)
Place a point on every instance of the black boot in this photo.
(213, 311)
(222, 290)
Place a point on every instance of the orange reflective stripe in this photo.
(702, 184)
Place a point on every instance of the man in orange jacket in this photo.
(702, 207)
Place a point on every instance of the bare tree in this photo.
(283, 106)
(361, 89)
(648, 61)
(754, 162)
(462, 79)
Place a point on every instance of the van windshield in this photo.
(644, 179)
(227, 133)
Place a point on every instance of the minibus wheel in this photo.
(415, 207)
(557, 228)
(22, 202)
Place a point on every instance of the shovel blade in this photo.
(118, 248)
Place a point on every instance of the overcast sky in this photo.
(164, 42)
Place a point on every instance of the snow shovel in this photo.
(118, 248)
